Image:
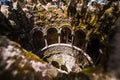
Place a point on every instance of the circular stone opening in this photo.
(66, 57)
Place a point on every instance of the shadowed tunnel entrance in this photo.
(94, 48)
(79, 38)
(66, 35)
(38, 40)
(52, 36)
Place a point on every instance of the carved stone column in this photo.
(59, 32)
(72, 38)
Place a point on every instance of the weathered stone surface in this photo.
(74, 59)
(18, 64)
(6, 27)
(113, 51)
(15, 25)
(99, 23)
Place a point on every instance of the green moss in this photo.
(73, 76)
(31, 56)
(28, 55)
(90, 71)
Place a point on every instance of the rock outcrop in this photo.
(17, 24)
(18, 64)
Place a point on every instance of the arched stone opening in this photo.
(94, 48)
(38, 40)
(52, 36)
(66, 35)
(79, 38)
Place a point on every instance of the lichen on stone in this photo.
(21, 64)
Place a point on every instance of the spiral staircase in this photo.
(66, 41)
(60, 43)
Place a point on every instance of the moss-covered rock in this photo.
(18, 64)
